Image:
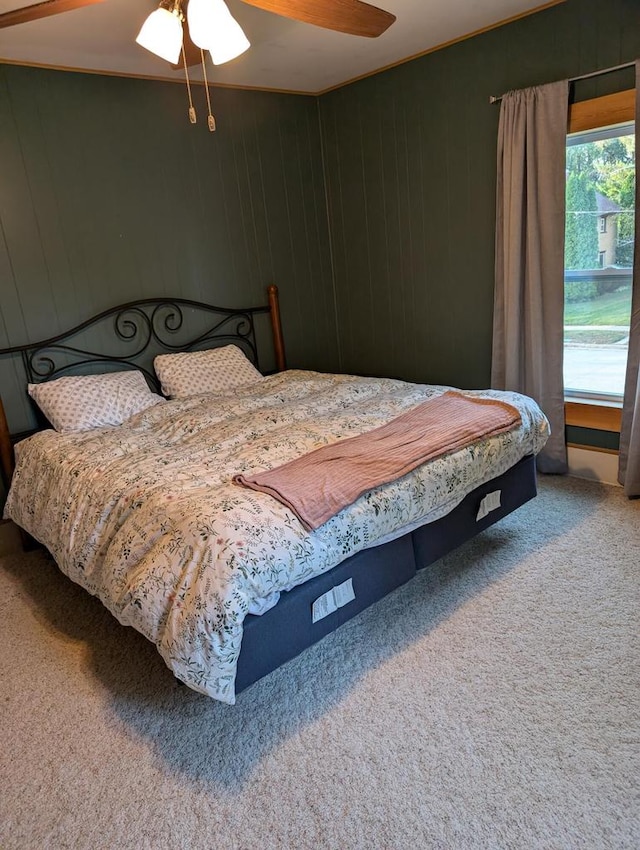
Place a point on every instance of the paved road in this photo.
(598, 368)
(596, 328)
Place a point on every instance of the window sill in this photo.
(601, 416)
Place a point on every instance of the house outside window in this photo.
(598, 261)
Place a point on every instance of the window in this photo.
(599, 246)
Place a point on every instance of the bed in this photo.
(226, 581)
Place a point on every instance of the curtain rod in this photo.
(494, 99)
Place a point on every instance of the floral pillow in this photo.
(214, 371)
(81, 402)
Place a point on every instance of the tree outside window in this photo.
(599, 244)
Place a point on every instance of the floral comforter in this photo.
(145, 515)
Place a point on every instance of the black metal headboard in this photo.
(147, 327)
(130, 335)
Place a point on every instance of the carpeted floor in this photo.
(491, 703)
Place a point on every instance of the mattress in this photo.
(146, 517)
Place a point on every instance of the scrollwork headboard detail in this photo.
(128, 332)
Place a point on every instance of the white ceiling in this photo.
(284, 54)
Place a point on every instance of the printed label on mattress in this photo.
(332, 600)
(490, 502)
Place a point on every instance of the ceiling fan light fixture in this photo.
(230, 42)
(203, 17)
(212, 27)
(161, 34)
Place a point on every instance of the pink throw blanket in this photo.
(321, 483)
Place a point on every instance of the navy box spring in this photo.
(286, 630)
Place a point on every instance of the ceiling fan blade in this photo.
(191, 51)
(42, 10)
(350, 16)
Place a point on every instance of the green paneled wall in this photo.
(372, 207)
(410, 159)
(107, 194)
(592, 438)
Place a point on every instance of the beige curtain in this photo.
(629, 470)
(529, 293)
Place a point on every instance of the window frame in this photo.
(605, 111)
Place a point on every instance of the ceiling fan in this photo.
(348, 16)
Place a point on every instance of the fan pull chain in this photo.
(211, 121)
(192, 111)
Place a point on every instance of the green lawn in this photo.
(594, 337)
(614, 308)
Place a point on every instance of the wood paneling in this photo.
(600, 417)
(617, 108)
(108, 193)
(410, 159)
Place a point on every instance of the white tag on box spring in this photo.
(332, 600)
(490, 502)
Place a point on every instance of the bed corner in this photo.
(7, 458)
(276, 327)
